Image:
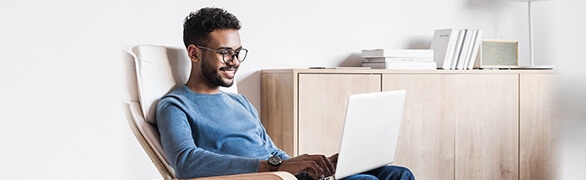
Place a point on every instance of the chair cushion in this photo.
(160, 70)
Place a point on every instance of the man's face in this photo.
(213, 67)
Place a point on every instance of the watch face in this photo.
(275, 160)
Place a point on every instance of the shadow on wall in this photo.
(354, 60)
(250, 87)
(419, 43)
(570, 117)
(480, 3)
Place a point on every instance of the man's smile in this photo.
(229, 71)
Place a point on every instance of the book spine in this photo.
(472, 40)
(458, 49)
(398, 59)
(412, 66)
(464, 49)
(453, 40)
(400, 65)
(372, 53)
(374, 65)
(410, 53)
(475, 49)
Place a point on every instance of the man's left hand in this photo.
(334, 160)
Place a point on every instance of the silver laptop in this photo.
(371, 131)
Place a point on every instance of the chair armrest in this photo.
(278, 175)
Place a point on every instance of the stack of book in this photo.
(399, 59)
(456, 48)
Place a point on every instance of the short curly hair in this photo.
(198, 25)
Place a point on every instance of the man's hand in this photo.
(316, 166)
(334, 160)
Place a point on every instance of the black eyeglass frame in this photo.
(226, 52)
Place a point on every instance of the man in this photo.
(206, 132)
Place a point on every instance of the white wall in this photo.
(60, 65)
(566, 34)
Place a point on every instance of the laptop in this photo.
(371, 131)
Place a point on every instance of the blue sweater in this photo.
(209, 135)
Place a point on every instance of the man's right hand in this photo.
(316, 166)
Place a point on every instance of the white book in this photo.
(385, 59)
(475, 49)
(397, 53)
(472, 40)
(458, 49)
(464, 51)
(397, 65)
(443, 44)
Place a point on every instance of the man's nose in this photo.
(233, 61)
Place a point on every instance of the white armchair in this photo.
(151, 72)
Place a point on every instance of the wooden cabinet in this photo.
(487, 126)
(322, 106)
(426, 140)
(456, 124)
(535, 127)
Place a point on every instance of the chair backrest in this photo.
(151, 72)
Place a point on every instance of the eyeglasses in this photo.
(228, 55)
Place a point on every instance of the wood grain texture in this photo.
(536, 126)
(426, 139)
(322, 107)
(457, 124)
(278, 107)
(487, 108)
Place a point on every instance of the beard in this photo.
(213, 76)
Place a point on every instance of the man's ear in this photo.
(192, 52)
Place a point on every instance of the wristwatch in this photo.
(274, 162)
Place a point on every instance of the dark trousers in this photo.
(382, 173)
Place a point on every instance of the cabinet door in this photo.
(536, 127)
(322, 107)
(426, 140)
(487, 126)
(278, 109)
